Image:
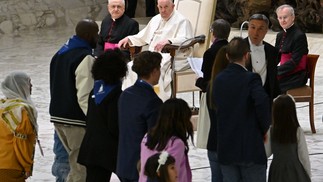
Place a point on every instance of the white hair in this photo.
(123, 2)
(289, 7)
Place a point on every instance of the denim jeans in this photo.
(60, 167)
(244, 172)
(215, 166)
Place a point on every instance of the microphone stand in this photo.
(245, 22)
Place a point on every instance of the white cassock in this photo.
(177, 29)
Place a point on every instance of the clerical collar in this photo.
(285, 30)
(116, 19)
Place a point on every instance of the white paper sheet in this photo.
(196, 65)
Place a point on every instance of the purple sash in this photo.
(108, 45)
(301, 66)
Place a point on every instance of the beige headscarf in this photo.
(17, 86)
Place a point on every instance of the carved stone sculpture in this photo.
(309, 13)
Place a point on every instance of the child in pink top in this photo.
(171, 134)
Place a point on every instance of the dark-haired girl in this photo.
(171, 133)
(290, 155)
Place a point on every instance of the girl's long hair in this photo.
(220, 63)
(173, 120)
(285, 122)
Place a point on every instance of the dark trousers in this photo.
(131, 6)
(294, 80)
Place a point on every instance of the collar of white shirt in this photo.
(254, 48)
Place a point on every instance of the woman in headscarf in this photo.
(18, 128)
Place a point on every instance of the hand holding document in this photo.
(196, 65)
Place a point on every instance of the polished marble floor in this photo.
(32, 51)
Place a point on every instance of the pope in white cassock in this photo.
(168, 27)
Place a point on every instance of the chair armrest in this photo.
(133, 50)
(169, 48)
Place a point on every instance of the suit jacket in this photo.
(243, 116)
(208, 61)
(100, 143)
(271, 84)
(138, 111)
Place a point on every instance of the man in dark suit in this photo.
(243, 117)
(264, 57)
(138, 110)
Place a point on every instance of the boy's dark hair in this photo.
(145, 62)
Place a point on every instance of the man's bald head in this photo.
(88, 29)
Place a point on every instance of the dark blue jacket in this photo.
(138, 111)
(243, 116)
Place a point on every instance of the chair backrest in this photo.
(311, 64)
(201, 14)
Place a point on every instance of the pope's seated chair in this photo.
(306, 93)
